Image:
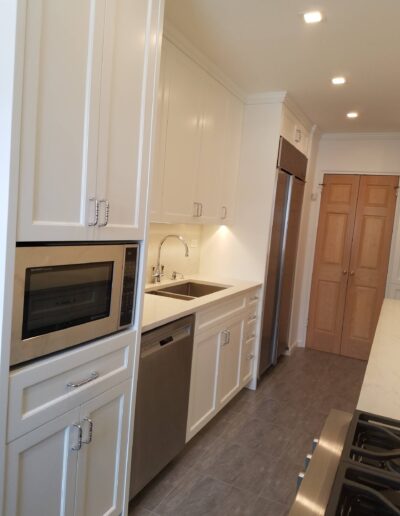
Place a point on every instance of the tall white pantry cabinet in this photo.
(84, 72)
(84, 83)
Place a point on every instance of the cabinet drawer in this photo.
(251, 330)
(248, 357)
(253, 298)
(218, 312)
(44, 390)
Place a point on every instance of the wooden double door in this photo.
(351, 262)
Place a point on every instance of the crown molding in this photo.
(174, 36)
(267, 97)
(298, 113)
(361, 136)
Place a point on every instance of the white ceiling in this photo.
(264, 45)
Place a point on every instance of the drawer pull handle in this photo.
(92, 377)
(251, 336)
(252, 318)
(254, 298)
(227, 337)
(250, 356)
(78, 446)
(90, 433)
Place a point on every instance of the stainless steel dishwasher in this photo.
(162, 399)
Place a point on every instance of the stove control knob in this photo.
(314, 444)
(307, 460)
(300, 477)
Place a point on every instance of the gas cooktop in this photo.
(367, 482)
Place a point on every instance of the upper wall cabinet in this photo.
(85, 126)
(295, 131)
(198, 144)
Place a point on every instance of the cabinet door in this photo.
(230, 361)
(184, 82)
(61, 66)
(212, 152)
(126, 115)
(246, 371)
(233, 143)
(41, 470)
(203, 381)
(102, 461)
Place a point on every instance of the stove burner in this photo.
(368, 479)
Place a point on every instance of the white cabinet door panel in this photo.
(184, 82)
(203, 381)
(62, 51)
(122, 173)
(101, 463)
(41, 470)
(230, 362)
(212, 153)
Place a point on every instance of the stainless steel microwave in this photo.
(65, 295)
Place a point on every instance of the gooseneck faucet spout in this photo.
(158, 269)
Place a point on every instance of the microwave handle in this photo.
(92, 377)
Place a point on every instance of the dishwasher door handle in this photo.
(157, 345)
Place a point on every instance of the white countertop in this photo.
(160, 310)
(380, 392)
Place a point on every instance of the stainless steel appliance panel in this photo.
(273, 273)
(289, 265)
(69, 294)
(162, 399)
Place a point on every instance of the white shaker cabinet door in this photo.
(233, 141)
(212, 152)
(184, 84)
(203, 381)
(128, 96)
(102, 459)
(41, 469)
(61, 52)
(230, 362)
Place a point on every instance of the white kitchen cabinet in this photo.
(41, 469)
(230, 361)
(248, 357)
(101, 462)
(53, 470)
(203, 380)
(214, 129)
(88, 76)
(293, 130)
(198, 144)
(184, 95)
(215, 376)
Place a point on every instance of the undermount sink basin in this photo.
(189, 290)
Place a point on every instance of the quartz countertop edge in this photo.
(380, 391)
(159, 310)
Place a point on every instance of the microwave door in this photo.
(64, 295)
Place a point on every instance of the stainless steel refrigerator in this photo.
(280, 269)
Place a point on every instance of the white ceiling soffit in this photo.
(264, 46)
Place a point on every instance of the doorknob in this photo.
(345, 272)
(351, 273)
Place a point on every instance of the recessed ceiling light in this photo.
(339, 80)
(312, 17)
(352, 114)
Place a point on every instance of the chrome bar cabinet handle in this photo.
(78, 446)
(90, 433)
(96, 212)
(92, 377)
(106, 212)
(224, 213)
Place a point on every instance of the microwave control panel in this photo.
(128, 286)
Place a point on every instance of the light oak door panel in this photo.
(331, 262)
(62, 53)
(369, 263)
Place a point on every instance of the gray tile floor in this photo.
(245, 462)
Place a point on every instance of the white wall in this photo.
(352, 153)
(240, 250)
(173, 252)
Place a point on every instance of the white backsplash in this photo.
(173, 251)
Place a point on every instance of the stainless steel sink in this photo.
(187, 291)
